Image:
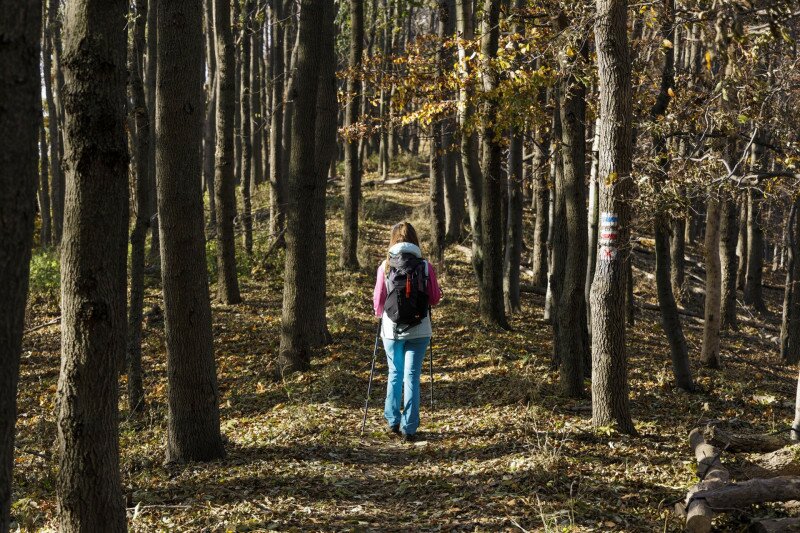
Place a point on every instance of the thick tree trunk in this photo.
(326, 149)
(224, 179)
(142, 224)
(491, 286)
(276, 170)
(755, 254)
(727, 252)
(193, 399)
(296, 344)
(711, 325)
(247, 121)
(352, 170)
(790, 323)
(93, 267)
(20, 97)
(573, 339)
(610, 403)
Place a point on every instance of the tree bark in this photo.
(541, 199)
(790, 323)
(593, 224)
(138, 236)
(93, 267)
(256, 117)
(210, 119)
(46, 235)
(711, 325)
(491, 280)
(610, 402)
(741, 244)
(296, 345)
(193, 398)
(20, 124)
(246, 131)
(52, 34)
(276, 169)
(352, 170)
(755, 254)
(727, 252)
(150, 97)
(224, 179)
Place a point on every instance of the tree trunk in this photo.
(193, 398)
(670, 320)
(593, 223)
(246, 135)
(256, 116)
(790, 323)
(20, 126)
(142, 224)
(276, 169)
(755, 254)
(556, 233)
(727, 252)
(210, 119)
(541, 199)
(436, 189)
(150, 97)
(326, 148)
(513, 255)
(677, 252)
(610, 403)
(469, 148)
(296, 345)
(224, 178)
(491, 286)
(352, 171)
(711, 325)
(45, 237)
(93, 267)
(52, 33)
(741, 245)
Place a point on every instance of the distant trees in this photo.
(93, 267)
(20, 125)
(193, 423)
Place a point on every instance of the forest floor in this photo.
(501, 450)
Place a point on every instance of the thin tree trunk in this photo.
(20, 125)
(224, 179)
(541, 198)
(150, 97)
(556, 248)
(52, 33)
(141, 118)
(246, 132)
(711, 325)
(594, 223)
(755, 254)
(610, 402)
(677, 252)
(727, 251)
(256, 118)
(741, 245)
(296, 344)
(352, 172)
(193, 432)
(93, 267)
(790, 324)
(276, 169)
(210, 120)
(437, 193)
(513, 255)
(46, 234)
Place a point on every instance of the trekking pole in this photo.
(371, 374)
(430, 315)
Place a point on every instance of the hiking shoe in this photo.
(393, 429)
(410, 437)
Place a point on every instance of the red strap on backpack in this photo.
(408, 286)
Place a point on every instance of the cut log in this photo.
(776, 525)
(739, 495)
(782, 462)
(741, 442)
(712, 476)
(394, 181)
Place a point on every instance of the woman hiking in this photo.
(405, 289)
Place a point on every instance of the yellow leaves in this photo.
(708, 57)
(570, 51)
(666, 43)
(612, 178)
(671, 93)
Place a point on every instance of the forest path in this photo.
(501, 449)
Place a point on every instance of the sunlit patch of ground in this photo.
(501, 450)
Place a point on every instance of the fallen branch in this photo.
(42, 326)
(742, 442)
(712, 474)
(394, 181)
(776, 525)
(738, 495)
(782, 462)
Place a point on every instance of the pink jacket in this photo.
(379, 296)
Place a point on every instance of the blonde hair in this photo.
(401, 232)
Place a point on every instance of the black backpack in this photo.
(407, 290)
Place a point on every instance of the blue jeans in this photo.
(405, 364)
